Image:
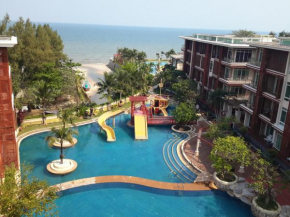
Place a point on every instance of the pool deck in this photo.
(132, 180)
(203, 163)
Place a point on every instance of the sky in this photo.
(256, 15)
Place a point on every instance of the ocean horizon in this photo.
(88, 43)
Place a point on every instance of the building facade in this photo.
(256, 73)
(8, 145)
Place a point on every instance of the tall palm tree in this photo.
(106, 86)
(67, 116)
(61, 135)
(80, 93)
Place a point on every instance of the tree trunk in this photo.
(61, 151)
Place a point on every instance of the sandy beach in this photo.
(93, 72)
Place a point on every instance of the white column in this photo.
(198, 142)
(229, 113)
(238, 115)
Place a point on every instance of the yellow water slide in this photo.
(140, 125)
(111, 137)
(164, 111)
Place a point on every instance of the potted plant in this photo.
(226, 154)
(264, 178)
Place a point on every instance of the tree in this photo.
(243, 33)
(272, 33)
(170, 52)
(130, 55)
(284, 34)
(3, 26)
(184, 113)
(226, 154)
(44, 95)
(106, 86)
(67, 116)
(264, 178)
(184, 90)
(37, 45)
(216, 98)
(22, 195)
(221, 128)
(61, 135)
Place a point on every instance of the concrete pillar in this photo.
(198, 142)
(238, 115)
(247, 119)
(230, 110)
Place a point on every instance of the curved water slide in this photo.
(111, 137)
(164, 111)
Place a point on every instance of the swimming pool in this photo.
(97, 157)
(154, 67)
(121, 199)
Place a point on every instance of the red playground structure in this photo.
(148, 112)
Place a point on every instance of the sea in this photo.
(84, 43)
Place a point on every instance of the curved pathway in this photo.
(132, 180)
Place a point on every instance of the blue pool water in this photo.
(154, 67)
(120, 199)
(97, 157)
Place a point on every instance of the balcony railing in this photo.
(267, 112)
(271, 91)
(237, 79)
(228, 60)
(254, 62)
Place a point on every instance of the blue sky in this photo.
(255, 15)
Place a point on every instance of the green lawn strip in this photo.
(76, 121)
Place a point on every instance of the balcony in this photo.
(254, 64)
(251, 86)
(237, 81)
(231, 62)
(182, 47)
(247, 108)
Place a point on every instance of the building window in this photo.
(278, 142)
(237, 91)
(227, 72)
(211, 66)
(256, 79)
(283, 116)
(287, 94)
(243, 55)
(241, 74)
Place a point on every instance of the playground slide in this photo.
(164, 111)
(140, 122)
(102, 122)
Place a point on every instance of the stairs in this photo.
(176, 167)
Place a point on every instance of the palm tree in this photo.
(61, 135)
(80, 92)
(106, 86)
(43, 95)
(66, 116)
(216, 98)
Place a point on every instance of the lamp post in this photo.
(198, 142)
(160, 86)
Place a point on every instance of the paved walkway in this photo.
(133, 180)
(203, 162)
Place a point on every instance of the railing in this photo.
(237, 79)
(254, 62)
(226, 59)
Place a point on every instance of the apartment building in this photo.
(8, 145)
(266, 109)
(255, 70)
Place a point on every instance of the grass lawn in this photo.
(77, 120)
